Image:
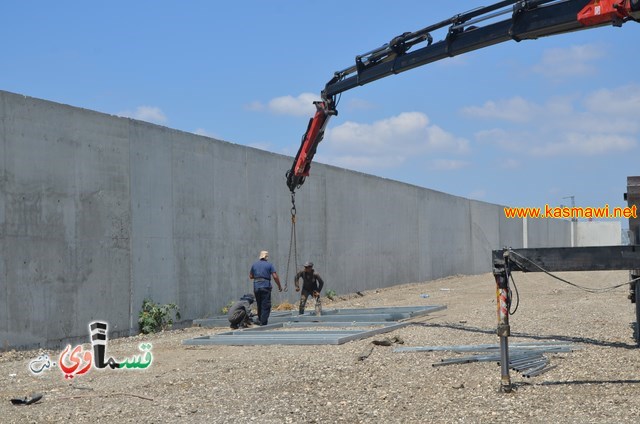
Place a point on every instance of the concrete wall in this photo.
(598, 233)
(99, 212)
(547, 233)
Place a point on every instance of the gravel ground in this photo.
(596, 383)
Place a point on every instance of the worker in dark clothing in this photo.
(240, 313)
(311, 286)
(261, 273)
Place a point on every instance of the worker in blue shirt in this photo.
(261, 273)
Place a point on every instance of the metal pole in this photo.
(502, 291)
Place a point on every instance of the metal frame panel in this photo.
(381, 314)
(272, 335)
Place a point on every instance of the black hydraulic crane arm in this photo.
(527, 20)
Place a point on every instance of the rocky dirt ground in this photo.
(598, 382)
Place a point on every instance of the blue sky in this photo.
(520, 124)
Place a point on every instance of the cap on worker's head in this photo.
(308, 264)
(264, 254)
(249, 297)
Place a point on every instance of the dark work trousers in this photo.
(263, 302)
(304, 295)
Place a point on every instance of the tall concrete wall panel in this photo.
(66, 221)
(485, 233)
(153, 265)
(98, 213)
(598, 233)
(510, 231)
(548, 233)
(446, 227)
(558, 233)
(370, 227)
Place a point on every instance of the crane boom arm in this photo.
(528, 20)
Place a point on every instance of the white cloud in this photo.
(403, 129)
(302, 105)
(515, 109)
(447, 164)
(288, 105)
(508, 140)
(557, 141)
(623, 102)
(562, 63)
(359, 104)
(296, 106)
(387, 143)
(585, 145)
(439, 139)
(597, 123)
(151, 114)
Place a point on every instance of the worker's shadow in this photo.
(554, 337)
